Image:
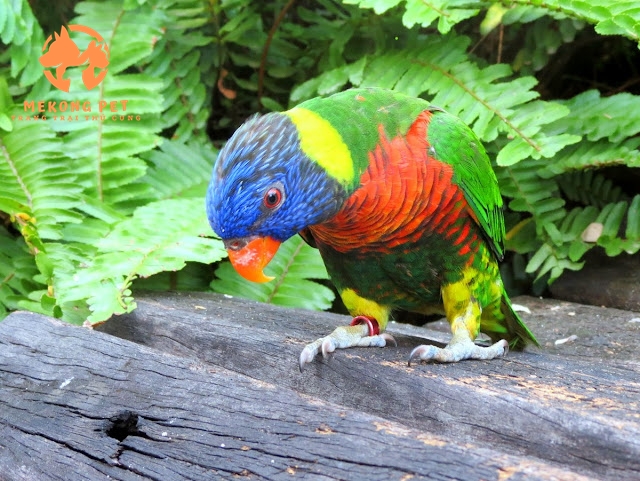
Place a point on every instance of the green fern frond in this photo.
(105, 144)
(621, 17)
(188, 177)
(18, 271)
(20, 31)
(551, 260)
(589, 188)
(479, 96)
(330, 81)
(613, 118)
(130, 33)
(160, 236)
(594, 155)
(542, 40)
(529, 192)
(194, 277)
(518, 11)
(38, 182)
(621, 227)
(293, 266)
(177, 59)
(378, 6)
(420, 12)
(617, 229)
(610, 18)
(610, 125)
(6, 106)
(566, 249)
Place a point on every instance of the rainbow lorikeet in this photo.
(399, 197)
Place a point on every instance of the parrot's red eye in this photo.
(272, 198)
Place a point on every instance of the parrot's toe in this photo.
(458, 351)
(388, 339)
(341, 338)
(328, 347)
(307, 355)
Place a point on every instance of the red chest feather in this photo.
(404, 194)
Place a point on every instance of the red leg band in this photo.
(374, 328)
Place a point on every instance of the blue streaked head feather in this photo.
(265, 152)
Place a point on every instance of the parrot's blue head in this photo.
(264, 190)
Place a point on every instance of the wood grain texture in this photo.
(216, 394)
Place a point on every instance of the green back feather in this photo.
(457, 145)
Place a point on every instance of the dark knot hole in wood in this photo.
(123, 424)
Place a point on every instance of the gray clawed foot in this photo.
(458, 351)
(341, 338)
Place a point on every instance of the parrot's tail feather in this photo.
(508, 325)
(520, 333)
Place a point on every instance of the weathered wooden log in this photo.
(576, 404)
(76, 404)
(603, 281)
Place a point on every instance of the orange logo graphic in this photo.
(64, 53)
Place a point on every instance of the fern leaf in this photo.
(177, 59)
(160, 236)
(573, 228)
(617, 238)
(293, 267)
(187, 178)
(194, 277)
(20, 31)
(529, 192)
(530, 138)
(330, 81)
(621, 17)
(521, 238)
(551, 260)
(614, 118)
(420, 12)
(542, 40)
(378, 6)
(38, 182)
(124, 117)
(527, 12)
(611, 18)
(129, 32)
(6, 105)
(620, 231)
(18, 272)
(479, 96)
(589, 188)
(594, 155)
(104, 160)
(424, 13)
(610, 126)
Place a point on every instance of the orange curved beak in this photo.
(250, 256)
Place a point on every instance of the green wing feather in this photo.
(456, 144)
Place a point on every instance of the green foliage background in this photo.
(93, 211)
